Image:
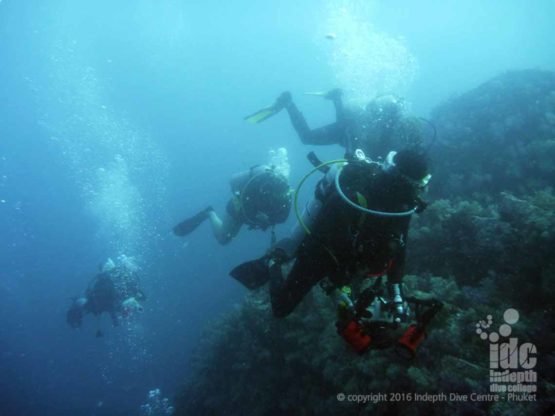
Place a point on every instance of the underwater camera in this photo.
(372, 321)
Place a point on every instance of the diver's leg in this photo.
(339, 109)
(335, 96)
(224, 230)
(330, 134)
(115, 321)
(299, 123)
(287, 293)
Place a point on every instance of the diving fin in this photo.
(188, 225)
(262, 114)
(252, 274)
(265, 113)
(316, 93)
(333, 94)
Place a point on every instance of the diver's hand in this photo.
(283, 100)
(334, 94)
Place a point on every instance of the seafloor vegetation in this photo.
(484, 244)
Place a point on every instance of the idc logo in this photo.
(511, 362)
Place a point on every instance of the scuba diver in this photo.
(261, 199)
(375, 129)
(356, 226)
(115, 291)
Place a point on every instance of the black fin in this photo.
(188, 225)
(252, 274)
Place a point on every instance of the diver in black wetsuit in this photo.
(261, 199)
(366, 235)
(114, 291)
(376, 129)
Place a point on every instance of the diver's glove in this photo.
(283, 101)
(396, 299)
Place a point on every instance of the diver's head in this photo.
(131, 306)
(74, 316)
(411, 165)
(385, 109)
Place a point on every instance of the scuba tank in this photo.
(262, 196)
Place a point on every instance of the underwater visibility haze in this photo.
(122, 125)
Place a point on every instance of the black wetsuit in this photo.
(102, 297)
(350, 131)
(109, 290)
(344, 240)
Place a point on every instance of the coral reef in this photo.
(250, 363)
(497, 137)
(484, 245)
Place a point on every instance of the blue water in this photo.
(117, 119)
